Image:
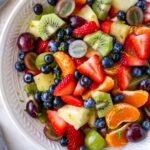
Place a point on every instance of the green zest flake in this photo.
(118, 135)
(22, 101)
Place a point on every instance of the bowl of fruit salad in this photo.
(75, 73)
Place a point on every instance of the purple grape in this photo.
(145, 85)
(26, 42)
(31, 109)
(77, 21)
(103, 131)
(135, 133)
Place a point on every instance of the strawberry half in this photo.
(85, 29)
(93, 69)
(124, 77)
(106, 26)
(75, 138)
(58, 124)
(112, 12)
(79, 61)
(147, 7)
(94, 86)
(66, 86)
(141, 45)
(79, 89)
(75, 101)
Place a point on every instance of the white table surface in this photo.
(14, 139)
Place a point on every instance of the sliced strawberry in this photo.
(58, 124)
(66, 86)
(94, 86)
(106, 26)
(141, 45)
(32, 72)
(41, 46)
(146, 17)
(75, 138)
(79, 89)
(147, 7)
(79, 61)
(113, 12)
(93, 69)
(124, 77)
(75, 101)
(85, 29)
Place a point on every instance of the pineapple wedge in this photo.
(76, 116)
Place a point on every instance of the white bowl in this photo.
(11, 83)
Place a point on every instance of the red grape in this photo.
(77, 21)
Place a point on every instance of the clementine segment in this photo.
(121, 113)
(136, 98)
(140, 30)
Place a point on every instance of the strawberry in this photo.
(41, 46)
(66, 86)
(58, 124)
(112, 12)
(75, 138)
(106, 26)
(79, 89)
(75, 101)
(141, 45)
(79, 61)
(93, 86)
(147, 7)
(32, 72)
(93, 69)
(124, 77)
(146, 17)
(85, 29)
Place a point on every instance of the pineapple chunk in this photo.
(43, 81)
(120, 31)
(88, 14)
(76, 116)
(33, 27)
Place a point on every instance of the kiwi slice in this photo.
(103, 102)
(135, 16)
(48, 25)
(101, 8)
(104, 44)
(65, 8)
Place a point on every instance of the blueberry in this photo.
(53, 46)
(145, 85)
(82, 148)
(136, 72)
(22, 55)
(121, 15)
(64, 46)
(141, 4)
(48, 105)
(52, 2)
(77, 74)
(117, 47)
(89, 103)
(46, 69)
(64, 141)
(146, 124)
(114, 39)
(28, 78)
(115, 57)
(85, 81)
(20, 66)
(57, 71)
(37, 97)
(51, 89)
(46, 96)
(107, 62)
(118, 98)
(100, 123)
(49, 59)
(90, 2)
(60, 34)
(57, 81)
(57, 103)
(68, 31)
(148, 71)
(38, 9)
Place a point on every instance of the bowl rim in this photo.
(2, 91)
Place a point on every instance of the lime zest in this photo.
(118, 135)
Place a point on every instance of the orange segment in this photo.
(117, 138)
(121, 113)
(136, 98)
(65, 63)
(140, 30)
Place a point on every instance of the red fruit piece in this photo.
(94, 86)
(113, 12)
(58, 124)
(85, 29)
(106, 26)
(41, 46)
(141, 45)
(32, 72)
(66, 86)
(93, 69)
(79, 61)
(75, 101)
(79, 89)
(147, 7)
(75, 138)
(124, 77)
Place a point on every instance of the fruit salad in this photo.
(86, 68)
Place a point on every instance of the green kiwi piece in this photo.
(134, 16)
(31, 88)
(104, 44)
(103, 102)
(101, 8)
(65, 8)
(48, 25)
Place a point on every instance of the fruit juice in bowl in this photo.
(85, 63)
